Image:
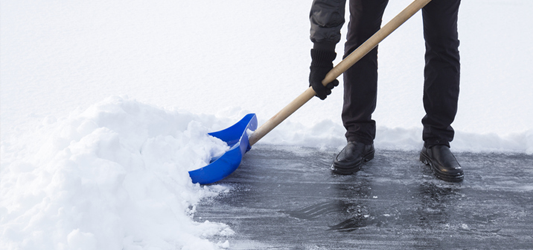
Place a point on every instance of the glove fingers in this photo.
(321, 92)
(332, 84)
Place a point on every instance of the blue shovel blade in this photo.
(237, 139)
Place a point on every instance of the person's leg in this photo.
(441, 72)
(360, 88)
(360, 81)
(441, 87)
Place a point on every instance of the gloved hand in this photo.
(321, 64)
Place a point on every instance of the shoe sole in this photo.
(424, 158)
(348, 171)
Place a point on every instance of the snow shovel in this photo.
(238, 136)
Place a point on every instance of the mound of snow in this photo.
(112, 177)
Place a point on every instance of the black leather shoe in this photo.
(442, 162)
(352, 157)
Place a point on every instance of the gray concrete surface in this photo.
(287, 198)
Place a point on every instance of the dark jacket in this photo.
(327, 18)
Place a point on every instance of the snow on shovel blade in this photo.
(236, 137)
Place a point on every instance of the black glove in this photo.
(321, 64)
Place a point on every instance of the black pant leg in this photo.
(360, 81)
(441, 72)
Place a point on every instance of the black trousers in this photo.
(441, 71)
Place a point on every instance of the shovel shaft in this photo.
(374, 40)
(345, 64)
(281, 115)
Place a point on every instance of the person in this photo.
(441, 79)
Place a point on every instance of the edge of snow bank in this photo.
(328, 134)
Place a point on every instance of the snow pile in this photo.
(111, 177)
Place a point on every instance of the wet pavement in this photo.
(287, 198)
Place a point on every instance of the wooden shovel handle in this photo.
(345, 64)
